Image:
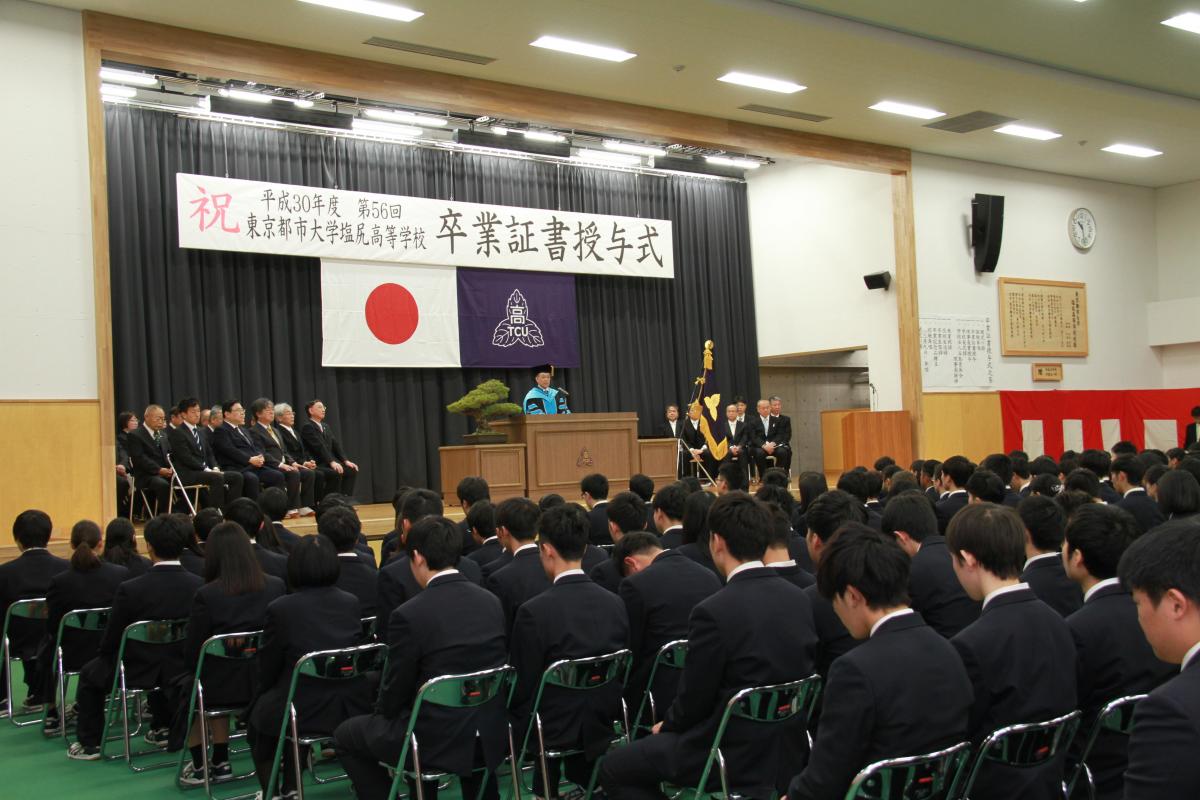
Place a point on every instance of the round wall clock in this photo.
(1081, 228)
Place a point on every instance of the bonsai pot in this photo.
(491, 437)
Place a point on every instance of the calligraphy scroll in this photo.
(1043, 318)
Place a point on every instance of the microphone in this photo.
(561, 391)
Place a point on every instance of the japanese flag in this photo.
(388, 315)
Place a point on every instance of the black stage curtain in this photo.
(239, 325)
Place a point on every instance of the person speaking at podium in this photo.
(544, 398)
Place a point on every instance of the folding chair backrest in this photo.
(339, 665)
(931, 776)
(228, 647)
(1025, 745)
(1115, 717)
(588, 673)
(79, 634)
(465, 691)
(672, 655)
(33, 608)
(368, 627)
(84, 619)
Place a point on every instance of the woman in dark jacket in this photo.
(120, 548)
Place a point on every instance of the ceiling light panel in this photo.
(607, 157)
(125, 76)
(635, 149)
(1137, 151)
(1026, 132)
(405, 118)
(374, 8)
(386, 129)
(740, 163)
(907, 110)
(582, 48)
(760, 82)
(1189, 21)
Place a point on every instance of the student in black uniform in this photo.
(825, 516)
(594, 490)
(1044, 523)
(273, 502)
(1019, 654)
(481, 522)
(341, 526)
(120, 548)
(165, 591)
(1098, 462)
(1162, 569)
(234, 599)
(470, 490)
(695, 530)
(777, 556)
(667, 509)
(643, 487)
(854, 483)
(523, 576)
(933, 588)
(451, 627)
(516, 524)
(1127, 473)
(874, 710)
(626, 514)
(316, 616)
(1179, 495)
(245, 512)
(1115, 660)
(1001, 466)
(956, 471)
(755, 631)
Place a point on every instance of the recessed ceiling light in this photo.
(1189, 21)
(125, 76)
(904, 109)
(386, 129)
(376, 8)
(740, 163)
(1132, 150)
(248, 97)
(582, 48)
(111, 90)
(1026, 132)
(543, 136)
(606, 157)
(759, 82)
(636, 149)
(405, 117)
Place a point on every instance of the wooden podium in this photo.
(867, 435)
(501, 465)
(562, 448)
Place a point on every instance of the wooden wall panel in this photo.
(961, 423)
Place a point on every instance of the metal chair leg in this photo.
(542, 760)
(516, 768)
(296, 756)
(416, 757)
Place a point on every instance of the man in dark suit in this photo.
(246, 513)
(481, 523)
(193, 458)
(670, 427)
(299, 481)
(338, 473)
(358, 577)
(148, 448)
(594, 490)
(933, 588)
(872, 709)
(1115, 660)
(825, 516)
(1044, 522)
(1190, 437)
(1162, 569)
(626, 514)
(1098, 463)
(782, 435)
(470, 490)
(163, 592)
(956, 471)
(756, 631)
(737, 439)
(236, 450)
(764, 438)
(523, 577)
(571, 618)
(285, 424)
(1127, 473)
(452, 627)
(1019, 654)
(660, 589)
(698, 457)
(667, 509)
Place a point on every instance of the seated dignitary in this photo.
(315, 616)
(667, 507)
(1115, 660)
(594, 491)
(237, 450)
(873, 710)
(825, 516)
(1019, 654)
(782, 435)
(523, 577)
(451, 627)
(233, 599)
(1044, 522)
(285, 424)
(126, 422)
(1162, 570)
(956, 471)
(933, 588)
(297, 479)
(273, 502)
(571, 618)
(626, 514)
(25, 577)
(660, 590)
(193, 458)
(778, 556)
(764, 440)
(755, 631)
(670, 427)
(148, 449)
(737, 452)
(481, 522)
(470, 490)
(246, 513)
(338, 473)
(358, 575)
(1127, 473)
(698, 460)
(164, 592)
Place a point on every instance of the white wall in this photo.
(815, 230)
(47, 309)
(1120, 270)
(1174, 319)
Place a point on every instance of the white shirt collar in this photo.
(174, 563)
(599, 503)
(897, 613)
(31, 549)
(344, 555)
(672, 528)
(1016, 587)
(956, 491)
(190, 427)
(791, 562)
(1189, 655)
(524, 547)
(1134, 489)
(1101, 585)
(287, 428)
(450, 571)
(562, 575)
(743, 568)
(491, 539)
(1039, 557)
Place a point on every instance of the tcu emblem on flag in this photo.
(517, 327)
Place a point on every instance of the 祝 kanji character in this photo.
(211, 208)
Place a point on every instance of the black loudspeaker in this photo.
(878, 280)
(987, 227)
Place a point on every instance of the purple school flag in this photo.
(517, 319)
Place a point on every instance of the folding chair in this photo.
(32, 609)
(765, 705)
(230, 648)
(584, 675)
(153, 633)
(368, 628)
(471, 690)
(1026, 745)
(67, 660)
(178, 486)
(932, 776)
(671, 655)
(1116, 717)
(332, 667)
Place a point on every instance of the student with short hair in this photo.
(1099, 463)
(523, 577)
(1179, 495)
(481, 522)
(1001, 465)
(643, 487)
(273, 502)
(1019, 654)
(827, 514)
(732, 477)
(626, 514)
(778, 556)
(985, 486)
(1126, 473)
(1044, 523)
(667, 512)
(955, 472)
(358, 576)
(470, 490)
(120, 547)
(594, 490)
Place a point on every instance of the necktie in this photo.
(196, 436)
(242, 433)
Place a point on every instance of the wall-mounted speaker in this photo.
(878, 280)
(987, 227)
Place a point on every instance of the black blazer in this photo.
(1189, 436)
(606, 574)
(234, 447)
(320, 443)
(292, 444)
(598, 517)
(833, 640)
(1107, 493)
(948, 507)
(288, 539)
(192, 561)
(469, 545)
(452, 627)
(757, 630)
(1165, 740)
(186, 454)
(693, 438)
(700, 554)
(737, 434)
(271, 562)
(148, 456)
(499, 562)
(272, 450)
(1144, 508)
(755, 436)
(1048, 580)
(672, 538)
(874, 711)
(138, 565)
(935, 591)
(396, 585)
(573, 618)
(27, 576)
(1115, 660)
(658, 602)
(487, 552)
(517, 582)
(361, 579)
(1020, 658)
(663, 429)
(795, 574)
(783, 430)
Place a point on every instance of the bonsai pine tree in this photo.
(484, 403)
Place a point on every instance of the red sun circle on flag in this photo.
(392, 313)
